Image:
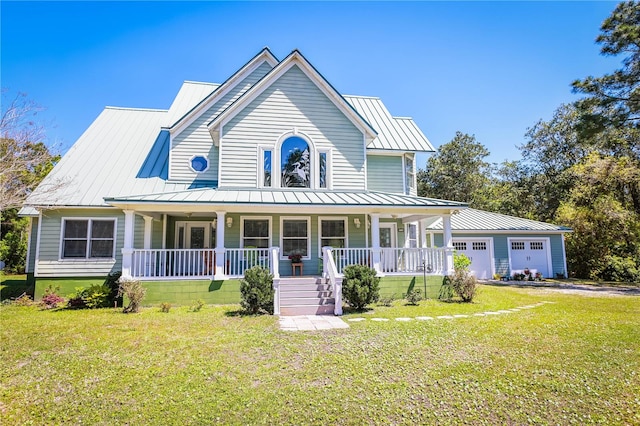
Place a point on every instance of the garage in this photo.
(480, 252)
(533, 254)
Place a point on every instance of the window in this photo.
(88, 238)
(409, 174)
(333, 232)
(460, 245)
(255, 233)
(295, 236)
(266, 168)
(517, 245)
(323, 165)
(199, 164)
(412, 236)
(479, 245)
(295, 164)
(536, 245)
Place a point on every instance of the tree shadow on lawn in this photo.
(14, 287)
(243, 313)
(627, 289)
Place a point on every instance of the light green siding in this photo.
(187, 292)
(398, 286)
(49, 263)
(384, 173)
(156, 234)
(196, 139)
(291, 102)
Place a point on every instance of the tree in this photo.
(458, 171)
(25, 158)
(614, 99)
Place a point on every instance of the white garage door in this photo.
(479, 252)
(532, 254)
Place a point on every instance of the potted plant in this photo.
(295, 257)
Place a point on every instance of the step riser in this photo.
(301, 287)
(287, 281)
(306, 301)
(307, 310)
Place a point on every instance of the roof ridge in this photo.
(201, 82)
(362, 97)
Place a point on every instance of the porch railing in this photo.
(394, 260)
(196, 263)
(333, 277)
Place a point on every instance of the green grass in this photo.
(12, 286)
(576, 361)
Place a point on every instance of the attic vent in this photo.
(199, 164)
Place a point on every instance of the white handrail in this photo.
(334, 277)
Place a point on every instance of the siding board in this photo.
(384, 173)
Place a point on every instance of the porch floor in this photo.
(311, 322)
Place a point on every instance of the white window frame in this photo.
(209, 231)
(329, 178)
(243, 218)
(282, 219)
(409, 181)
(198, 171)
(346, 229)
(61, 257)
(407, 238)
(276, 160)
(260, 173)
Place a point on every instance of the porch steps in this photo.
(305, 296)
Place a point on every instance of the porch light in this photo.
(356, 222)
(229, 222)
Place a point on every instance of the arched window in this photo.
(295, 167)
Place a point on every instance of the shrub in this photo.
(360, 286)
(256, 291)
(112, 282)
(95, 296)
(51, 299)
(462, 282)
(23, 300)
(165, 307)
(197, 305)
(414, 296)
(134, 291)
(621, 269)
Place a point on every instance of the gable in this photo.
(195, 140)
(292, 103)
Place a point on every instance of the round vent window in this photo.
(199, 163)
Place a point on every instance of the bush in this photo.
(386, 300)
(23, 300)
(95, 296)
(51, 299)
(414, 296)
(256, 291)
(134, 291)
(462, 282)
(112, 282)
(621, 269)
(360, 286)
(165, 307)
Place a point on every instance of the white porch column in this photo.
(375, 241)
(127, 248)
(423, 233)
(448, 242)
(220, 273)
(148, 227)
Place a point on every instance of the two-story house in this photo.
(271, 163)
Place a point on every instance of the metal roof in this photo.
(282, 197)
(394, 133)
(190, 94)
(479, 220)
(112, 157)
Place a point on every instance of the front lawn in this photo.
(574, 361)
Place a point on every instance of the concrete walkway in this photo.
(311, 322)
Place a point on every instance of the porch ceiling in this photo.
(262, 200)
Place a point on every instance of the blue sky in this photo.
(492, 69)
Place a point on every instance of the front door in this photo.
(388, 256)
(194, 235)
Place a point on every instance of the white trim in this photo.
(260, 172)
(38, 240)
(164, 231)
(187, 237)
(407, 233)
(243, 218)
(366, 162)
(206, 158)
(547, 248)
(276, 158)
(489, 241)
(329, 168)
(327, 218)
(394, 232)
(282, 219)
(88, 239)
